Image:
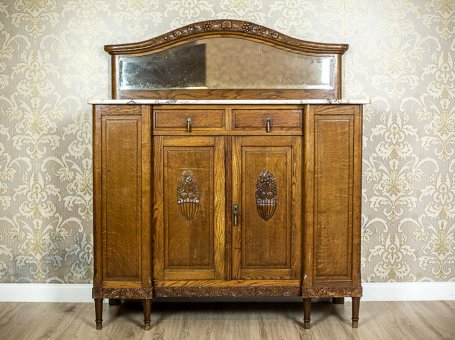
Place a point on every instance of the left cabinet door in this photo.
(189, 208)
(122, 184)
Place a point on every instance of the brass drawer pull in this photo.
(268, 124)
(188, 124)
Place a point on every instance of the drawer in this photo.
(198, 119)
(258, 119)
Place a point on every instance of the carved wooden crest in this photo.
(266, 195)
(188, 195)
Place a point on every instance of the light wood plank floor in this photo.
(236, 321)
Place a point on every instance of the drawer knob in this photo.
(188, 124)
(268, 124)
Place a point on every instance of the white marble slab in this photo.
(229, 101)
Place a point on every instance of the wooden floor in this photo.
(237, 321)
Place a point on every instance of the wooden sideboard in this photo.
(222, 196)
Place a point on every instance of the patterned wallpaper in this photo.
(52, 60)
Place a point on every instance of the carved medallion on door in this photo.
(266, 195)
(188, 195)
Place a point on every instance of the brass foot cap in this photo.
(99, 325)
(147, 326)
(306, 325)
(355, 323)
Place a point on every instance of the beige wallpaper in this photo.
(51, 61)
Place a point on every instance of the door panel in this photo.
(266, 186)
(191, 224)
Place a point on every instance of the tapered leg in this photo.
(338, 300)
(306, 312)
(99, 313)
(147, 312)
(355, 311)
(114, 302)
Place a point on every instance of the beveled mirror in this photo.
(226, 59)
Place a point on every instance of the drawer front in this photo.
(199, 119)
(267, 120)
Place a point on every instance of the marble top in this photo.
(229, 101)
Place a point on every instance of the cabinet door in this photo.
(189, 208)
(122, 195)
(266, 186)
(332, 195)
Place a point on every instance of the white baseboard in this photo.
(408, 291)
(380, 291)
(45, 292)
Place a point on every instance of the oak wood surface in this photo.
(255, 119)
(190, 248)
(122, 197)
(122, 202)
(228, 94)
(241, 29)
(226, 283)
(267, 249)
(221, 320)
(197, 251)
(201, 118)
(332, 196)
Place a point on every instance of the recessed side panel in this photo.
(121, 197)
(333, 191)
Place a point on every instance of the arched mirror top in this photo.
(226, 59)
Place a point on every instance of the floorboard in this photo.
(233, 321)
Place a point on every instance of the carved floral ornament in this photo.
(266, 195)
(188, 195)
(233, 27)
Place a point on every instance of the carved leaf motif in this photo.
(122, 293)
(266, 195)
(227, 291)
(188, 195)
(317, 292)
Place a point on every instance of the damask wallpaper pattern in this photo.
(52, 61)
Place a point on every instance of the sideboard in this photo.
(202, 192)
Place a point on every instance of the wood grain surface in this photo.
(197, 248)
(122, 183)
(332, 203)
(223, 321)
(190, 249)
(267, 249)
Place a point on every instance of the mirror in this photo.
(226, 63)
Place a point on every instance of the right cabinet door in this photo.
(332, 179)
(266, 193)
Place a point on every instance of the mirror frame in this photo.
(233, 29)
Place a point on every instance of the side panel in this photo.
(122, 195)
(332, 195)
